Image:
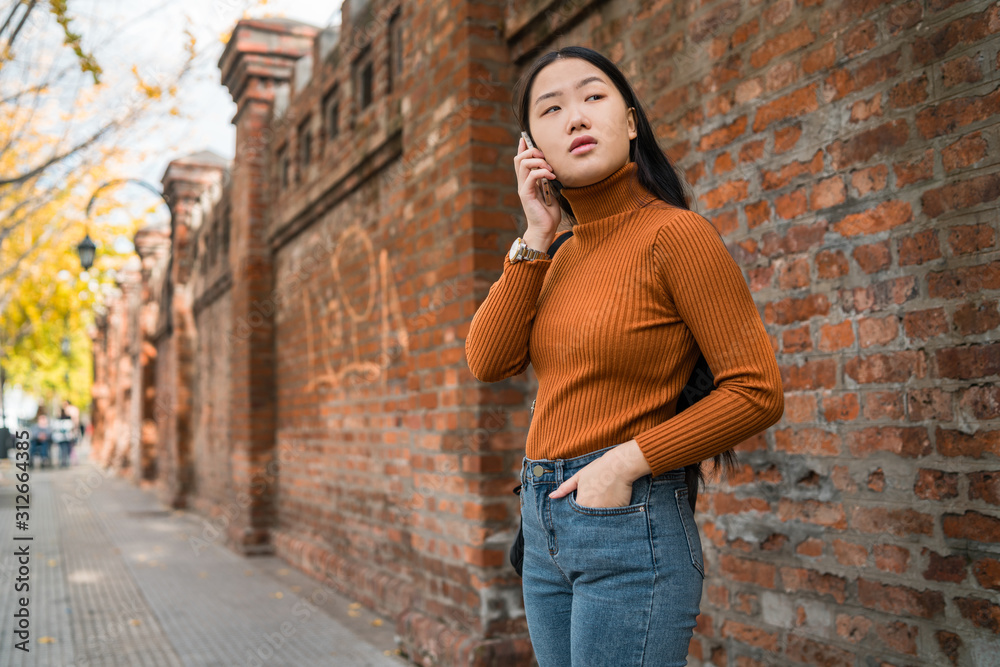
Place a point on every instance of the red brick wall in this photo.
(386, 490)
(167, 458)
(256, 67)
(106, 346)
(211, 446)
(184, 185)
(845, 150)
(152, 245)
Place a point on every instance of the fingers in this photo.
(541, 173)
(565, 487)
(528, 154)
(531, 172)
(531, 158)
(531, 163)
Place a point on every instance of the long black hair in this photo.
(655, 172)
(653, 168)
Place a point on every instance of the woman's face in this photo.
(559, 112)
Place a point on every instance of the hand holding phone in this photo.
(533, 174)
(546, 192)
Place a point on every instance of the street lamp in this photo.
(86, 249)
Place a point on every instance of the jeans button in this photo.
(538, 470)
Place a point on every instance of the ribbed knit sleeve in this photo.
(497, 344)
(708, 290)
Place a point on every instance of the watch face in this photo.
(513, 249)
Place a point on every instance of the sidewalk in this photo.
(115, 581)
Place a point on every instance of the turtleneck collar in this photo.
(618, 193)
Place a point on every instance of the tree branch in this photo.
(59, 157)
(10, 40)
(39, 201)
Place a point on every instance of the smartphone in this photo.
(546, 192)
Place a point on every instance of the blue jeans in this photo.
(609, 586)
(64, 450)
(39, 448)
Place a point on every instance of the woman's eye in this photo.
(551, 108)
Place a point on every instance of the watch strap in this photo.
(529, 254)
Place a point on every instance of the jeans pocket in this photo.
(639, 501)
(690, 529)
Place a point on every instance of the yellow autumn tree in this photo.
(47, 301)
(65, 125)
(65, 130)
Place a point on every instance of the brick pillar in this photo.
(129, 282)
(115, 384)
(151, 244)
(256, 68)
(99, 387)
(183, 184)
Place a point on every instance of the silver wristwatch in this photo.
(520, 250)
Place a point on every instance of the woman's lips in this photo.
(582, 148)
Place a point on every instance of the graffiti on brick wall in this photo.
(338, 326)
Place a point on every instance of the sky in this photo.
(149, 33)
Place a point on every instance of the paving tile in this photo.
(49, 609)
(119, 579)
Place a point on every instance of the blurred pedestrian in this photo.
(41, 439)
(71, 414)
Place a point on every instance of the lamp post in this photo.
(82, 248)
(86, 249)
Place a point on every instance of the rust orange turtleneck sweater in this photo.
(613, 325)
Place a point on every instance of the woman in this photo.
(613, 325)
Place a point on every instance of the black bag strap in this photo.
(558, 242)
